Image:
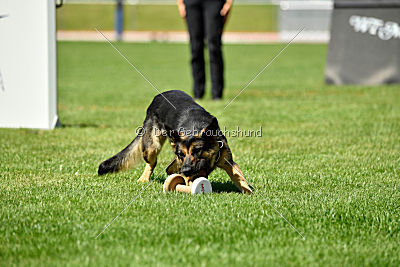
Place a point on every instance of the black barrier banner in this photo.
(365, 43)
(366, 3)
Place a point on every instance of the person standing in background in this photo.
(206, 19)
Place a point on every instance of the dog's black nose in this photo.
(186, 170)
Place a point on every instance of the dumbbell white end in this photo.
(201, 186)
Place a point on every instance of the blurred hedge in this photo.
(159, 17)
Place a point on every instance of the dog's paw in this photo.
(143, 180)
(246, 189)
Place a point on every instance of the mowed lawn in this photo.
(141, 17)
(328, 160)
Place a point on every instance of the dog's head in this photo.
(197, 151)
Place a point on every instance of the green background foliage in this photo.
(159, 17)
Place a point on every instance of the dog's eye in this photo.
(180, 154)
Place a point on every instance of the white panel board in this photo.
(28, 85)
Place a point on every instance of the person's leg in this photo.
(214, 23)
(194, 20)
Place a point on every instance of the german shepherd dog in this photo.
(195, 138)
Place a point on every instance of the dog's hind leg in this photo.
(148, 170)
(153, 140)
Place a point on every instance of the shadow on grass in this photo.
(160, 178)
(83, 125)
(224, 187)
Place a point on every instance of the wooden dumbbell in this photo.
(176, 182)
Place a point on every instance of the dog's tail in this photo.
(127, 158)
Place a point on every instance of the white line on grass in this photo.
(263, 69)
(138, 71)
(269, 202)
(136, 197)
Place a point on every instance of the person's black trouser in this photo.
(204, 20)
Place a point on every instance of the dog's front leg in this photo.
(236, 175)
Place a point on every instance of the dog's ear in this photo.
(212, 130)
(213, 124)
(174, 136)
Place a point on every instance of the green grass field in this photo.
(328, 160)
(142, 17)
